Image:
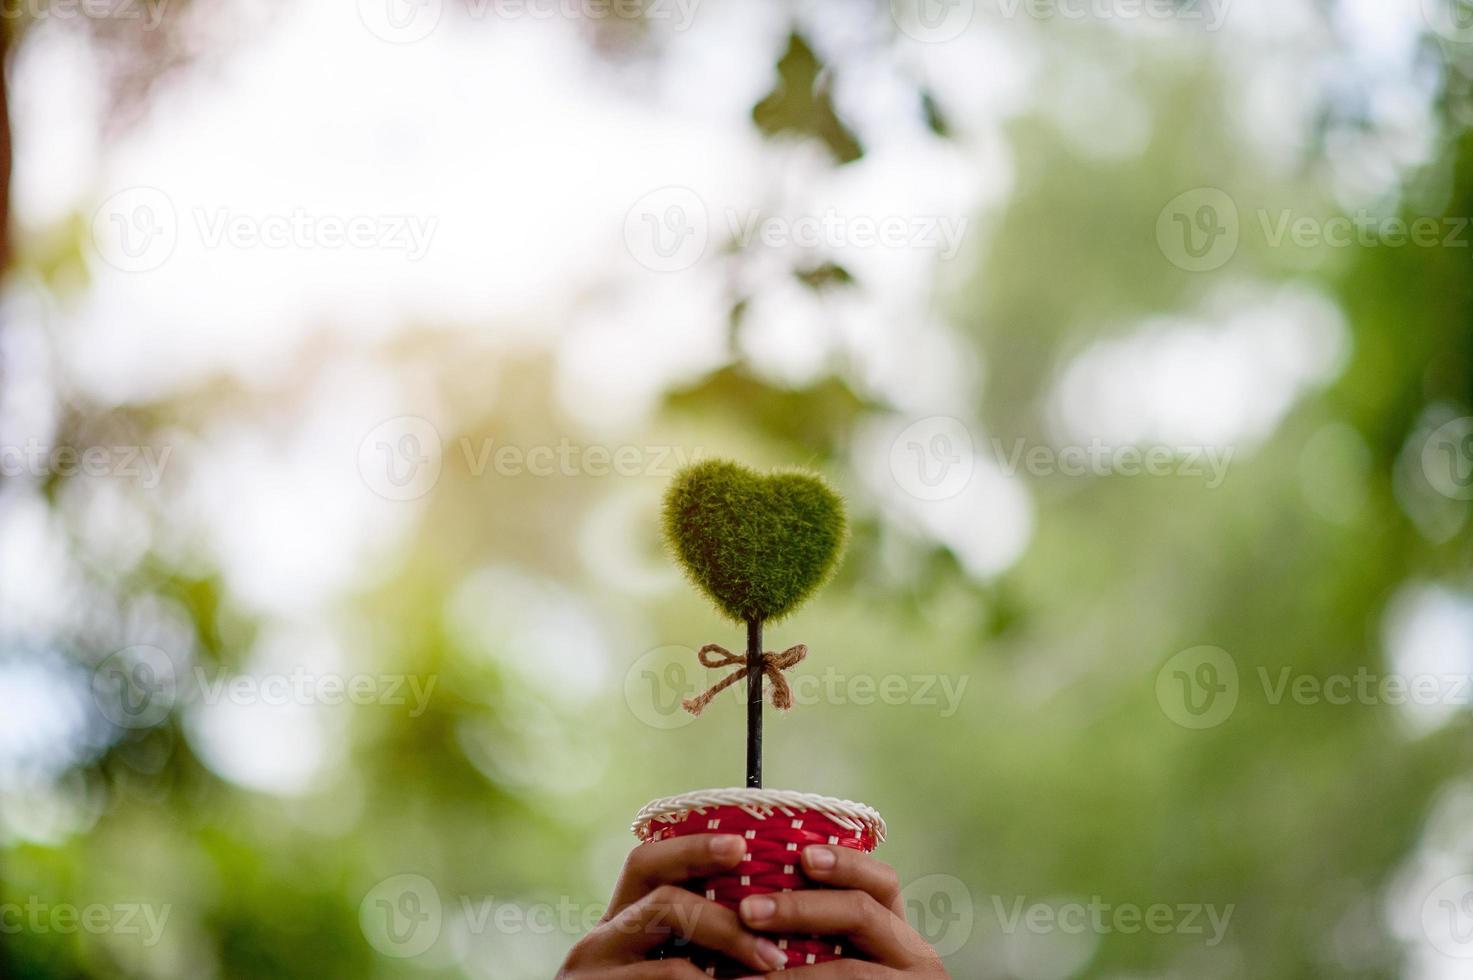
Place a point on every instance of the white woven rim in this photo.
(760, 803)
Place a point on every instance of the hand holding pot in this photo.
(649, 908)
(861, 902)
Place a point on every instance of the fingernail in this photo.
(821, 858)
(727, 847)
(768, 952)
(757, 908)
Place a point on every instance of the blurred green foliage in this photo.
(1045, 768)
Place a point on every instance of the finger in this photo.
(835, 970)
(671, 911)
(855, 914)
(652, 970)
(670, 862)
(843, 867)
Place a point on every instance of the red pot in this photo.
(778, 825)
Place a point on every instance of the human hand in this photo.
(649, 907)
(861, 903)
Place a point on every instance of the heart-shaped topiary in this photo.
(757, 545)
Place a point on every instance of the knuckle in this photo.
(576, 958)
(668, 894)
(864, 908)
(627, 922)
(787, 905)
(639, 861)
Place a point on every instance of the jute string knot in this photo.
(714, 655)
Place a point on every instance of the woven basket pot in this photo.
(778, 825)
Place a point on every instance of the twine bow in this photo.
(714, 655)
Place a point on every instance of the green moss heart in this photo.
(757, 545)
